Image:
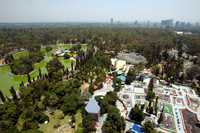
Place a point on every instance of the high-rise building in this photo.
(167, 23)
(197, 24)
(111, 21)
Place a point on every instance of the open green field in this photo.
(20, 54)
(168, 123)
(68, 46)
(168, 109)
(78, 124)
(65, 63)
(63, 46)
(8, 79)
(57, 123)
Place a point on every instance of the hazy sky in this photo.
(98, 10)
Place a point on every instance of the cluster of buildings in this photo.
(61, 52)
(166, 23)
(66, 53)
(179, 104)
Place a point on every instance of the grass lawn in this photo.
(168, 109)
(20, 54)
(63, 46)
(78, 124)
(68, 46)
(84, 47)
(168, 123)
(57, 123)
(7, 79)
(42, 66)
(65, 62)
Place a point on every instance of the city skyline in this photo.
(98, 11)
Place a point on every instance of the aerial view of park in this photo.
(8, 79)
(99, 66)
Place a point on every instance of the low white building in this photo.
(107, 87)
(61, 52)
(133, 94)
(118, 64)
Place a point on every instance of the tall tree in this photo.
(149, 127)
(156, 106)
(131, 75)
(136, 114)
(3, 99)
(114, 122)
(160, 119)
(29, 78)
(13, 92)
(40, 73)
(151, 84)
(150, 95)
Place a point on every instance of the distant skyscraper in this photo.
(167, 23)
(177, 24)
(111, 21)
(136, 22)
(197, 24)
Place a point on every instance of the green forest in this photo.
(55, 90)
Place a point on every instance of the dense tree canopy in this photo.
(114, 122)
(149, 127)
(136, 114)
(25, 112)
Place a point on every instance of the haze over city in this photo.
(99, 66)
(98, 10)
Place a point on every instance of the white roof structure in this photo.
(179, 32)
(119, 64)
(92, 106)
(139, 90)
(113, 60)
(107, 87)
(132, 58)
(72, 58)
(146, 81)
(198, 114)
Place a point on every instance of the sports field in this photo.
(168, 123)
(168, 109)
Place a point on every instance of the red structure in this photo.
(190, 121)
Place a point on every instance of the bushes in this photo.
(24, 65)
(136, 114)
(107, 101)
(89, 123)
(21, 66)
(114, 122)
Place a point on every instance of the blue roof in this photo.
(92, 106)
(136, 128)
(122, 78)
